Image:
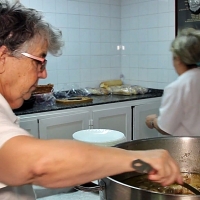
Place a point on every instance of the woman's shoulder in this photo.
(188, 80)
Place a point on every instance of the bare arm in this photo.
(151, 122)
(155, 124)
(62, 163)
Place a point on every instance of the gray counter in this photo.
(75, 195)
(97, 100)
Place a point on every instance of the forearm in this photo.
(86, 163)
(61, 163)
(155, 125)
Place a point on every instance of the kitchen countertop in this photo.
(77, 195)
(97, 100)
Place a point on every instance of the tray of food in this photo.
(74, 100)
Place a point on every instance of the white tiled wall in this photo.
(92, 29)
(148, 27)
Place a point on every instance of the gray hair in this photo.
(186, 46)
(20, 25)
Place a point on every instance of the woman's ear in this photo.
(3, 55)
(177, 61)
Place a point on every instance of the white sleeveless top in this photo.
(180, 106)
(9, 123)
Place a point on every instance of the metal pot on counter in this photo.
(185, 150)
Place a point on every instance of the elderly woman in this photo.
(25, 41)
(180, 110)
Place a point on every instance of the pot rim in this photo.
(158, 138)
(120, 145)
(148, 191)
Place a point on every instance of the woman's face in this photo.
(175, 63)
(179, 66)
(19, 75)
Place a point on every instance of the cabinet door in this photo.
(113, 118)
(140, 130)
(63, 126)
(31, 125)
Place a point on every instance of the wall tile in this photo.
(153, 7)
(25, 3)
(115, 61)
(74, 62)
(105, 10)
(95, 36)
(105, 36)
(115, 11)
(61, 20)
(51, 62)
(93, 29)
(85, 35)
(115, 24)
(37, 4)
(85, 22)
(105, 49)
(125, 24)
(106, 62)
(95, 22)
(49, 7)
(73, 21)
(85, 49)
(62, 63)
(85, 62)
(50, 18)
(106, 74)
(163, 6)
(95, 62)
(63, 76)
(84, 8)
(74, 76)
(73, 7)
(74, 35)
(61, 6)
(105, 23)
(114, 2)
(115, 37)
(163, 19)
(95, 9)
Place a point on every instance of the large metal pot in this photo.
(185, 150)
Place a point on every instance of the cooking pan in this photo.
(185, 150)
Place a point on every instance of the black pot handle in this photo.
(89, 187)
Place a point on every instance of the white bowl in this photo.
(102, 137)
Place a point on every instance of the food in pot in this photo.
(143, 182)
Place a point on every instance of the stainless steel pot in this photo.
(185, 150)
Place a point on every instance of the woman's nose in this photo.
(43, 74)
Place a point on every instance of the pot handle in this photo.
(90, 187)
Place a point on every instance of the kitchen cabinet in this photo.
(61, 124)
(57, 125)
(140, 130)
(113, 117)
(31, 125)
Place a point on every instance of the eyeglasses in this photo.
(41, 61)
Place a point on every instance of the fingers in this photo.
(166, 169)
(166, 174)
(149, 124)
(149, 120)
